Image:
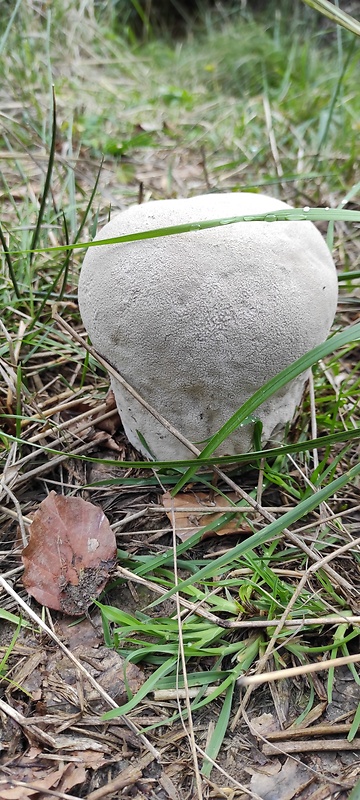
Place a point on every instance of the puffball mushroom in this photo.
(197, 321)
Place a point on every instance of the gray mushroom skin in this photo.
(197, 321)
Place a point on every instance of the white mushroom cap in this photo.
(197, 321)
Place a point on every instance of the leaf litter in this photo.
(33, 777)
(190, 511)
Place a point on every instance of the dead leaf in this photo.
(10, 792)
(70, 554)
(91, 759)
(112, 424)
(73, 775)
(264, 724)
(107, 442)
(28, 780)
(169, 787)
(188, 522)
(286, 784)
(269, 768)
(326, 792)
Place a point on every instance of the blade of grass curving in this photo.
(10, 647)
(9, 264)
(354, 725)
(333, 100)
(335, 14)
(46, 189)
(147, 687)
(355, 792)
(353, 192)
(90, 202)
(283, 215)
(268, 533)
(67, 260)
(6, 615)
(271, 387)
(64, 269)
(242, 458)
(247, 656)
(49, 291)
(143, 14)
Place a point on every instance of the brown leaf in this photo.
(90, 407)
(92, 759)
(10, 792)
(73, 775)
(70, 554)
(264, 724)
(112, 424)
(169, 787)
(286, 784)
(189, 522)
(39, 779)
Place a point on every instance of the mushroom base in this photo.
(155, 442)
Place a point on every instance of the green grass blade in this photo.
(287, 215)
(333, 102)
(147, 687)
(219, 731)
(9, 649)
(62, 271)
(354, 725)
(9, 617)
(90, 202)
(65, 268)
(355, 792)
(46, 189)
(335, 14)
(242, 458)
(9, 264)
(348, 276)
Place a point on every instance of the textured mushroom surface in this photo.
(197, 321)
